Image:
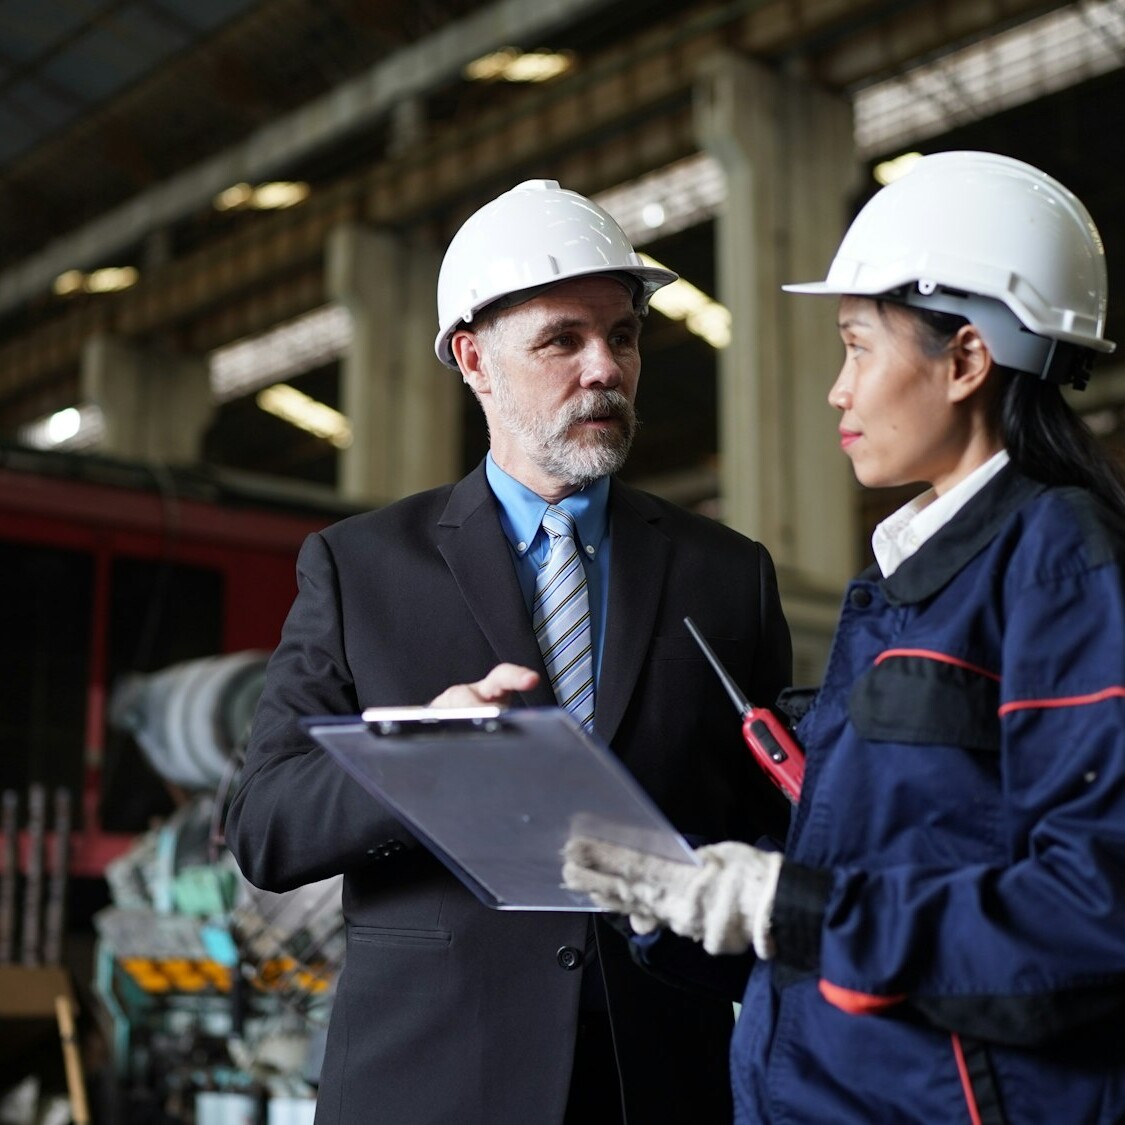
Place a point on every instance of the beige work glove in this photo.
(725, 903)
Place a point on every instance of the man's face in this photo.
(558, 376)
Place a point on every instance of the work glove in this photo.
(725, 902)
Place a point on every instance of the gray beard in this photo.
(547, 443)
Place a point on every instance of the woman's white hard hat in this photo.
(964, 225)
(535, 235)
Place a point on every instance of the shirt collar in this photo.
(904, 531)
(960, 540)
(521, 510)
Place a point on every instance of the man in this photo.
(448, 1011)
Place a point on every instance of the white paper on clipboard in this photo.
(496, 794)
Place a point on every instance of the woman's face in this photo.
(898, 422)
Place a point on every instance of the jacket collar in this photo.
(963, 538)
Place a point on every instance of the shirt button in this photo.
(589, 550)
(569, 958)
(861, 598)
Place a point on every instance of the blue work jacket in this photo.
(950, 920)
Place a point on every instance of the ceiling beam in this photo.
(360, 102)
(625, 113)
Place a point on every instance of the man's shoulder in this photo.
(677, 521)
(418, 509)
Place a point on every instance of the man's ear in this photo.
(467, 352)
(971, 361)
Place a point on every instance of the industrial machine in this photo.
(142, 602)
(217, 994)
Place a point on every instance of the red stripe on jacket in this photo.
(1062, 701)
(966, 1080)
(856, 1003)
(940, 657)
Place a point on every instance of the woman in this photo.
(944, 939)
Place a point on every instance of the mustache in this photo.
(599, 404)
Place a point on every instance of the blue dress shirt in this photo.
(521, 513)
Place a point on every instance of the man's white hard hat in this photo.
(535, 235)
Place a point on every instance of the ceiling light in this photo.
(279, 195)
(700, 313)
(275, 195)
(110, 279)
(74, 427)
(234, 198)
(510, 64)
(890, 170)
(69, 282)
(298, 409)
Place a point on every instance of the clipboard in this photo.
(496, 794)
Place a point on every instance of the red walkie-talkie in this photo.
(773, 747)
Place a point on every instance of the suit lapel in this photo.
(471, 541)
(637, 571)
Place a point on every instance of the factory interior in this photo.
(220, 229)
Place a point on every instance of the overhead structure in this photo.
(142, 245)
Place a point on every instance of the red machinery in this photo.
(112, 568)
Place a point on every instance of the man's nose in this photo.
(603, 367)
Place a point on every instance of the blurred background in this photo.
(220, 228)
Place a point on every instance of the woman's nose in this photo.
(840, 395)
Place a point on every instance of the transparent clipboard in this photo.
(496, 794)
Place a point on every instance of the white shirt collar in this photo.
(904, 531)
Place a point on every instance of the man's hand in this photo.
(725, 902)
(496, 688)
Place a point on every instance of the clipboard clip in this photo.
(403, 722)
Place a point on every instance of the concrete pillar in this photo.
(787, 152)
(401, 402)
(155, 405)
(432, 395)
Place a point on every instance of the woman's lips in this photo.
(848, 437)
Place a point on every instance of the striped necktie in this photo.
(561, 617)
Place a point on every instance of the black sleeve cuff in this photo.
(798, 915)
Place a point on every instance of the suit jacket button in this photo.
(569, 958)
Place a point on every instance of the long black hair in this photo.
(1044, 437)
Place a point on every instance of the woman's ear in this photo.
(971, 363)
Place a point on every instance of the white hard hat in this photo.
(961, 226)
(535, 235)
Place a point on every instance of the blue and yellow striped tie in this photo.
(561, 618)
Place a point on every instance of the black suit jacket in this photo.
(448, 1011)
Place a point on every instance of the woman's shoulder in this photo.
(1073, 526)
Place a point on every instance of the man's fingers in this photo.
(496, 688)
(504, 679)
